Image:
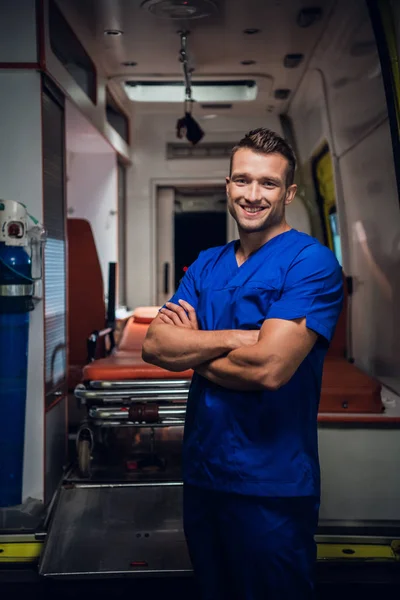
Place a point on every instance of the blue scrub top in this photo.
(263, 442)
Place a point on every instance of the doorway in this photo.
(189, 220)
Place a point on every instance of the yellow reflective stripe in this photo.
(390, 34)
(20, 551)
(30, 551)
(355, 552)
(326, 185)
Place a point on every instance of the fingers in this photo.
(177, 314)
(166, 319)
(190, 312)
(172, 316)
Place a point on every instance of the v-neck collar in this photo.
(235, 245)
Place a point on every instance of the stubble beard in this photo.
(271, 220)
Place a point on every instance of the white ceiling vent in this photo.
(180, 9)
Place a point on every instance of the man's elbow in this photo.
(271, 381)
(148, 351)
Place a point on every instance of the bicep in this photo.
(283, 345)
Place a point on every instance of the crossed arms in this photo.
(234, 359)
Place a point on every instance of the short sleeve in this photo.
(187, 289)
(313, 289)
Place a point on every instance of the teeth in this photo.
(253, 210)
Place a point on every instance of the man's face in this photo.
(256, 190)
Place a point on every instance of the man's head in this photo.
(260, 181)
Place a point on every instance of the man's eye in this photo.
(269, 184)
(240, 181)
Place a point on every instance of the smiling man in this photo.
(254, 320)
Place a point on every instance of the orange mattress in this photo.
(124, 367)
(346, 388)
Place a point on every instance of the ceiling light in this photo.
(251, 31)
(129, 63)
(291, 61)
(202, 91)
(281, 94)
(180, 9)
(208, 117)
(248, 62)
(113, 32)
(309, 16)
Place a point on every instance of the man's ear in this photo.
(227, 180)
(290, 193)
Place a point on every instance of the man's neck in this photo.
(251, 242)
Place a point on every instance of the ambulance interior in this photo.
(127, 205)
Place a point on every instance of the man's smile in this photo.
(252, 210)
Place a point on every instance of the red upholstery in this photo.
(145, 314)
(126, 361)
(132, 337)
(116, 367)
(86, 308)
(345, 388)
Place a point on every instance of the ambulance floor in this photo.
(335, 586)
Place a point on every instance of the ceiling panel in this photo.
(216, 44)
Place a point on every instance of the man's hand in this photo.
(182, 315)
(186, 317)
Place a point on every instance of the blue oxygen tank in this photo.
(16, 301)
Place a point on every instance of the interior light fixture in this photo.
(251, 31)
(188, 127)
(308, 16)
(113, 32)
(207, 92)
(291, 61)
(180, 9)
(282, 94)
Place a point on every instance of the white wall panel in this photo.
(18, 31)
(341, 99)
(359, 474)
(372, 209)
(92, 195)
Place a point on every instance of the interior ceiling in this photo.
(216, 43)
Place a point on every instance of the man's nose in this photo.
(253, 192)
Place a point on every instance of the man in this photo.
(253, 319)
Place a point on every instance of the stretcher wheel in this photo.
(84, 457)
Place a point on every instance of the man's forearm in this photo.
(177, 349)
(239, 370)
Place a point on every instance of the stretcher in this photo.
(122, 391)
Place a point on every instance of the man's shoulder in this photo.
(311, 249)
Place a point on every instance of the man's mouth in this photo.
(252, 210)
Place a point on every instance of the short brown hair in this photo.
(265, 141)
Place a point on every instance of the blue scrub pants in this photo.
(251, 548)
